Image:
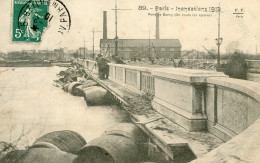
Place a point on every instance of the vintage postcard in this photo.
(129, 81)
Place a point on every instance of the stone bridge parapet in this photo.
(197, 100)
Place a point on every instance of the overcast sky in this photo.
(193, 32)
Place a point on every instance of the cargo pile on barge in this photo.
(76, 82)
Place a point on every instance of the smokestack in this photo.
(104, 24)
(157, 26)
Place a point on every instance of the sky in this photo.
(192, 31)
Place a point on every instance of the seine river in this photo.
(31, 106)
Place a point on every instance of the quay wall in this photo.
(197, 100)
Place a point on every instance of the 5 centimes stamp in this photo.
(30, 18)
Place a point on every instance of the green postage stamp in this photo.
(30, 18)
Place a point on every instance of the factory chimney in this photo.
(104, 24)
(157, 26)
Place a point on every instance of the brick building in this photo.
(140, 48)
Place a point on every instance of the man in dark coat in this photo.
(104, 69)
(98, 63)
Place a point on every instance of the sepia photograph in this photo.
(129, 81)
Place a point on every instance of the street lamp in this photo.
(219, 39)
(218, 42)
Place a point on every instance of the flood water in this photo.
(31, 106)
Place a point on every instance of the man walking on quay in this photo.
(103, 68)
(98, 63)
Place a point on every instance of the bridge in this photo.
(220, 111)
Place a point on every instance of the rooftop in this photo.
(145, 42)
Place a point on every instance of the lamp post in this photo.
(219, 39)
(93, 46)
(218, 42)
(84, 50)
(116, 22)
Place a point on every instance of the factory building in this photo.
(140, 48)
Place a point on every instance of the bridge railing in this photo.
(147, 82)
(195, 99)
(138, 79)
(233, 108)
(206, 100)
(232, 105)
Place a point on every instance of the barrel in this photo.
(131, 131)
(81, 87)
(89, 83)
(72, 86)
(62, 73)
(109, 149)
(66, 140)
(95, 95)
(47, 155)
(78, 91)
(128, 130)
(13, 156)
